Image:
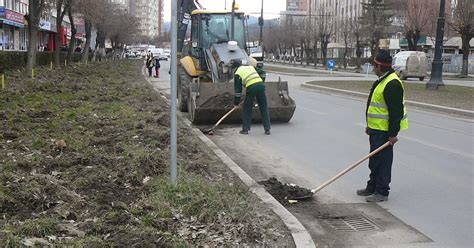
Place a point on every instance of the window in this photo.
(216, 29)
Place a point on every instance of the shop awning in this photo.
(12, 23)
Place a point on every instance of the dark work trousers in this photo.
(380, 164)
(255, 91)
(150, 71)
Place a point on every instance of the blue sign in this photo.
(2, 11)
(331, 64)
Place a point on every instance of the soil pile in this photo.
(84, 156)
(284, 192)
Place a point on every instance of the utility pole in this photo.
(260, 23)
(436, 79)
(232, 21)
(174, 65)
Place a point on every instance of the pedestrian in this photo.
(149, 62)
(386, 115)
(157, 67)
(248, 77)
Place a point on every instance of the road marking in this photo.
(312, 111)
(470, 156)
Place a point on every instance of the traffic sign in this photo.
(331, 64)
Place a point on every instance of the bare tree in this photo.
(62, 7)
(419, 16)
(463, 24)
(374, 21)
(35, 10)
(346, 35)
(72, 43)
(122, 21)
(359, 45)
(324, 34)
(86, 9)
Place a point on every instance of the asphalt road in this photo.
(432, 178)
(432, 182)
(327, 75)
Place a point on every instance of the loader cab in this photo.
(210, 28)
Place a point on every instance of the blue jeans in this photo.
(255, 91)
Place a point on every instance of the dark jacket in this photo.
(393, 95)
(157, 63)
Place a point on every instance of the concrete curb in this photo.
(301, 236)
(439, 108)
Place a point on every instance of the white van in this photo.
(410, 64)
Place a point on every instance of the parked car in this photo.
(159, 52)
(167, 53)
(410, 64)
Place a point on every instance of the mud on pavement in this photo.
(84, 162)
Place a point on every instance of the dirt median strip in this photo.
(85, 162)
(301, 236)
(451, 99)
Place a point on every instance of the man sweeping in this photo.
(386, 116)
(248, 77)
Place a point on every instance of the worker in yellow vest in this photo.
(386, 115)
(252, 79)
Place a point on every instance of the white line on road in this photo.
(312, 111)
(470, 156)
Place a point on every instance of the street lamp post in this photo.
(260, 23)
(232, 21)
(436, 79)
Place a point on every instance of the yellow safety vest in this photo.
(249, 75)
(377, 113)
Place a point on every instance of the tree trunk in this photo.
(31, 53)
(57, 38)
(315, 52)
(72, 43)
(88, 29)
(101, 36)
(35, 8)
(358, 51)
(465, 54)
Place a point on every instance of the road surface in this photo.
(432, 178)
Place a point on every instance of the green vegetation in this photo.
(85, 163)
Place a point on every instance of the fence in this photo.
(453, 63)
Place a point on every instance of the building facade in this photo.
(295, 12)
(150, 16)
(14, 33)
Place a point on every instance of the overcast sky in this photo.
(248, 6)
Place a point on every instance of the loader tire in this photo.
(183, 85)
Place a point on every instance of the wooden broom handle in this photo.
(340, 174)
(223, 117)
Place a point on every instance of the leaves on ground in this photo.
(85, 162)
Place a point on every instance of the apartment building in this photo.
(150, 16)
(296, 11)
(338, 14)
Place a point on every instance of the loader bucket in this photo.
(208, 102)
